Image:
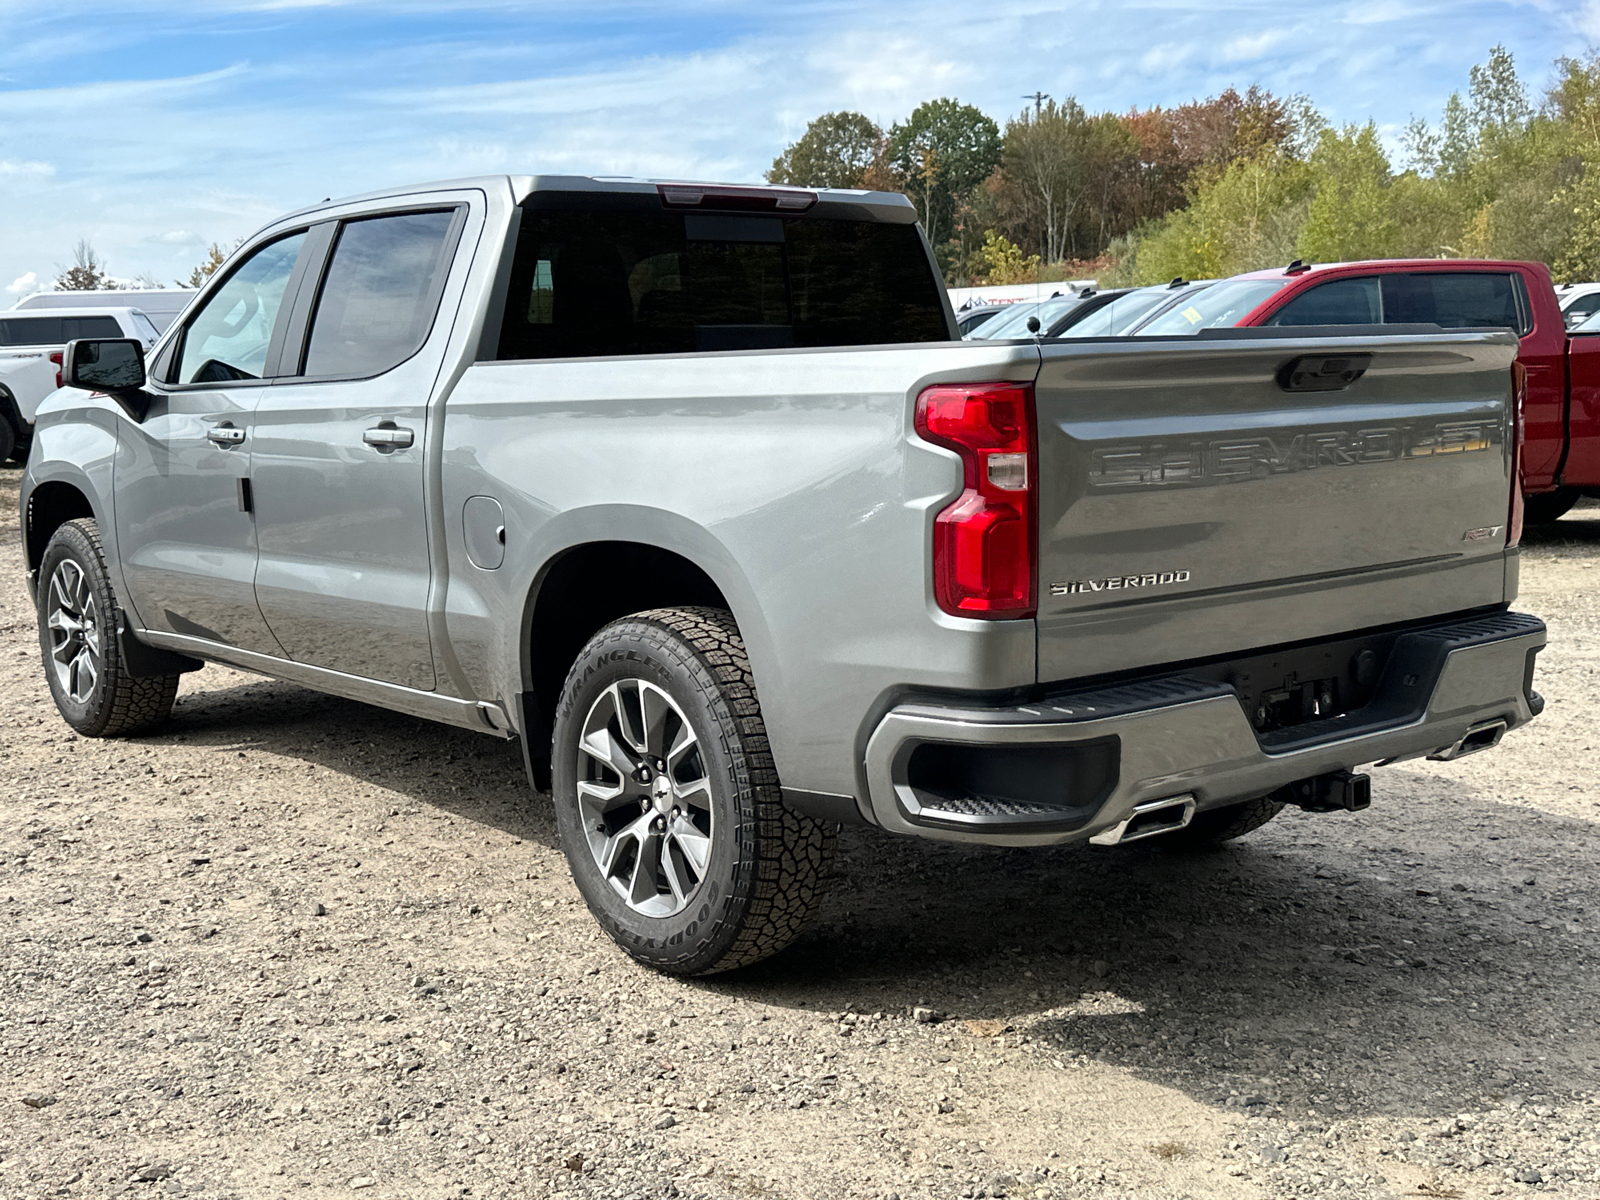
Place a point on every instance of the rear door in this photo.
(337, 467)
(1192, 504)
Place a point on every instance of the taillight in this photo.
(56, 358)
(983, 543)
(1519, 396)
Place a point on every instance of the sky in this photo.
(155, 129)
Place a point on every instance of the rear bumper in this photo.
(1069, 766)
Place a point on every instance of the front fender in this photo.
(75, 448)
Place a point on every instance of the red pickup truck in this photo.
(1561, 451)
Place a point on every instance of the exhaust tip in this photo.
(1150, 819)
(1483, 736)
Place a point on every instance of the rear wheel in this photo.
(10, 443)
(1545, 507)
(668, 802)
(78, 641)
(1218, 825)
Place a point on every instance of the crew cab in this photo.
(30, 360)
(694, 490)
(1561, 448)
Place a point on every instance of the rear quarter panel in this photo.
(792, 478)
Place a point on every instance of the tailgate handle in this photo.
(1323, 372)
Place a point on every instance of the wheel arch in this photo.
(50, 504)
(596, 577)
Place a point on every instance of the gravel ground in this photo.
(297, 946)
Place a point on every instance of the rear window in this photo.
(1449, 299)
(55, 331)
(587, 283)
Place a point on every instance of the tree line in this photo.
(1236, 182)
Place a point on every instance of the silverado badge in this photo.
(1119, 582)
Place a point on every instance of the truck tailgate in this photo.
(1191, 504)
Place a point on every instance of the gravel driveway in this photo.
(294, 946)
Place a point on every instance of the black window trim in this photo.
(171, 358)
(292, 353)
(1519, 292)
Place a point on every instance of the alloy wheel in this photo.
(74, 626)
(644, 797)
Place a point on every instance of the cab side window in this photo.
(1338, 302)
(380, 293)
(227, 339)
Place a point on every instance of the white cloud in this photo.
(24, 285)
(29, 170)
(1249, 46)
(1166, 57)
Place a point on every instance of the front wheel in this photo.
(83, 664)
(667, 799)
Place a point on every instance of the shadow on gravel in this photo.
(1580, 527)
(470, 775)
(1241, 977)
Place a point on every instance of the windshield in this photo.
(1119, 316)
(1218, 307)
(1590, 324)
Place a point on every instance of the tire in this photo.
(1217, 825)
(10, 443)
(699, 867)
(78, 619)
(1545, 507)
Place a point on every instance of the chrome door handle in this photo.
(224, 435)
(388, 437)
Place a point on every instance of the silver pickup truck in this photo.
(695, 491)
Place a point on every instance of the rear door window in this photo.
(1337, 302)
(1456, 300)
(588, 282)
(89, 327)
(30, 331)
(380, 293)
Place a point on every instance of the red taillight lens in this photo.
(1519, 396)
(56, 358)
(983, 543)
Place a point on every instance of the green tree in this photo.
(839, 150)
(1351, 215)
(943, 150)
(86, 274)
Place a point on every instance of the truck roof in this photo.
(1392, 265)
(887, 206)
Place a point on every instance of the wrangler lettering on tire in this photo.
(668, 802)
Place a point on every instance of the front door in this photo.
(184, 532)
(337, 455)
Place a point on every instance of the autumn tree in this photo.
(87, 272)
(214, 258)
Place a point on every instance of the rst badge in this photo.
(1117, 583)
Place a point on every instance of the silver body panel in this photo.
(795, 481)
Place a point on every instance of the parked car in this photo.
(1126, 311)
(1579, 302)
(160, 305)
(695, 491)
(1050, 312)
(968, 319)
(1561, 407)
(30, 361)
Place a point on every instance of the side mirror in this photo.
(112, 365)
